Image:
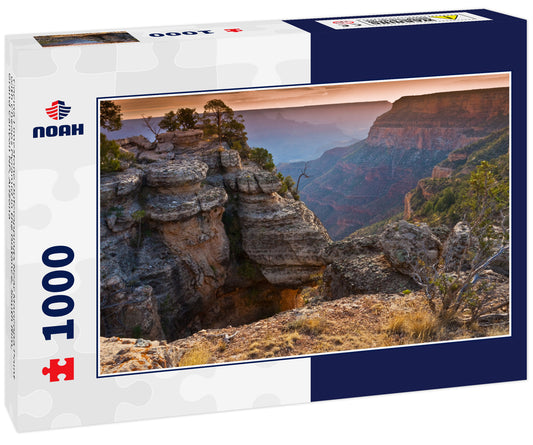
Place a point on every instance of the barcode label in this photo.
(402, 20)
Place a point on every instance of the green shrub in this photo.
(110, 155)
(287, 185)
(262, 157)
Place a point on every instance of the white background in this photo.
(488, 414)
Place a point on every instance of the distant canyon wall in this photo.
(367, 183)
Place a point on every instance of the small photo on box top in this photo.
(85, 38)
(268, 223)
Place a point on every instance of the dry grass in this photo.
(221, 346)
(419, 326)
(267, 348)
(377, 308)
(199, 354)
(308, 325)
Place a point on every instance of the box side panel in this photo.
(10, 237)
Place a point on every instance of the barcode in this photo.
(402, 20)
(398, 21)
(11, 212)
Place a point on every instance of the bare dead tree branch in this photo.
(303, 174)
(150, 125)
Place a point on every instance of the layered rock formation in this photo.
(441, 121)
(281, 235)
(187, 232)
(368, 183)
(161, 229)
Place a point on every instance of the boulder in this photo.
(284, 238)
(351, 246)
(135, 143)
(363, 274)
(459, 242)
(140, 141)
(152, 156)
(405, 245)
(164, 147)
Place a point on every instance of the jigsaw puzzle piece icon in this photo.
(55, 369)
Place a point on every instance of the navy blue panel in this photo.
(408, 51)
(426, 51)
(415, 368)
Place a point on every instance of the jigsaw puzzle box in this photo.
(214, 217)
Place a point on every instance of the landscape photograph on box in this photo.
(269, 223)
(85, 38)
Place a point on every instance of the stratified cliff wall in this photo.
(191, 237)
(368, 183)
(441, 121)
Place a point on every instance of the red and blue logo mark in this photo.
(58, 110)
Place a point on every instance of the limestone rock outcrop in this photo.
(284, 238)
(180, 138)
(163, 229)
(191, 229)
(131, 306)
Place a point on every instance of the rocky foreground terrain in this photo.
(349, 323)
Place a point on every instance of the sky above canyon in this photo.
(391, 91)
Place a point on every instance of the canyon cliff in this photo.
(367, 182)
(193, 237)
(441, 121)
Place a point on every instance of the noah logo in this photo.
(58, 111)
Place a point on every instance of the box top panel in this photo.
(240, 30)
(153, 34)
